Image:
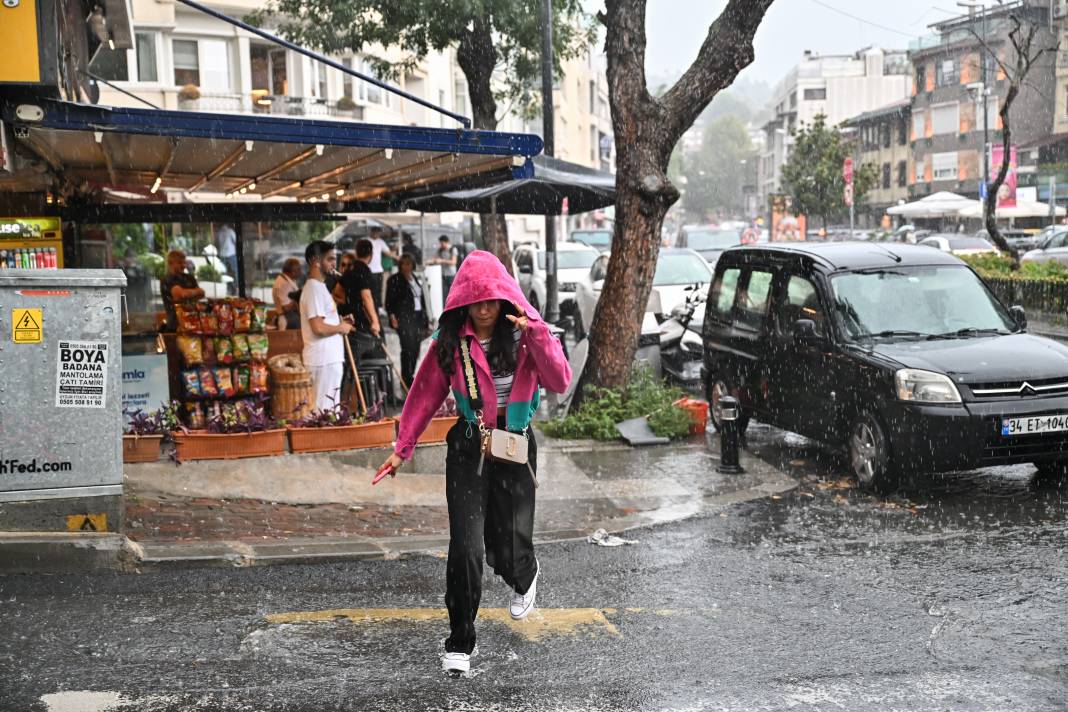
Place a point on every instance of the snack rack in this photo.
(223, 346)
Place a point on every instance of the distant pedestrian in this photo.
(408, 247)
(285, 284)
(407, 313)
(448, 257)
(381, 249)
(322, 328)
(494, 352)
(226, 243)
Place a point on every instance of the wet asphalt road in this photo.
(950, 598)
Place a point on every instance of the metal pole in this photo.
(551, 306)
(1053, 200)
(240, 276)
(986, 113)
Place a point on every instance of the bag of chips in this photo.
(224, 350)
(259, 318)
(191, 383)
(188, 318)
(207, 348)
(209, 323)
(258, 378)
(224, 312)
(242, 375)
(241, 352)
(189, 346)
(223, 381)
(258, 345)
(194, 416)
(208, 388)
(243, 309)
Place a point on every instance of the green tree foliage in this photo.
(813, 173)
(715, 176)
(498, 41)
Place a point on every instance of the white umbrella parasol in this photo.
(1020, 210)
(937, 205)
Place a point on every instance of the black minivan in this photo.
(899, 352)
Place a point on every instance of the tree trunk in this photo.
(991, 203)
(646, 131)
(477, 58)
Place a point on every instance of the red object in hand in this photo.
(387, 469)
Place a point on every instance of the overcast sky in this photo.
(676, 29)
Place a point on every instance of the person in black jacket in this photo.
(407, 313)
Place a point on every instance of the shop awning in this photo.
(134, 155)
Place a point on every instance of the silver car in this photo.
(1052, 248)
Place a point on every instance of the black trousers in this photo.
(490, 515)
(410, 332)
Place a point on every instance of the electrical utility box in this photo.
(61, 399)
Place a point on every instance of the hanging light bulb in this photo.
(252, 185)
(340, 191)
(157, 183)
(243, 191)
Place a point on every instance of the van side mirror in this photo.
(805, 333)
(1019, 316)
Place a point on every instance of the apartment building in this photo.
(836, 86)
(880, 138)
(953, 73)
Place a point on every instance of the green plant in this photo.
(604, 407)
(1000, 266)
(207, 273)
(346, 104)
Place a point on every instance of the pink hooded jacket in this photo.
(539, 360)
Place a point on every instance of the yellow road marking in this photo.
(540, 623)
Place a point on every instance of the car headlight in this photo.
(925, 387)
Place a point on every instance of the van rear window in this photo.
(723, 292)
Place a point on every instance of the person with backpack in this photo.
(495, 353)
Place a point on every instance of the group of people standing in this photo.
(349, 290)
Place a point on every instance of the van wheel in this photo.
(869, 455)
(717, 388)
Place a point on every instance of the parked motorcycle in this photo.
(681, 344)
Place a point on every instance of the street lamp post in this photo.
(972, 6)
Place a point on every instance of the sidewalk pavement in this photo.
(323, 507)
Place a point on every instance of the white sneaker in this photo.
(459, 663)
(523, 603)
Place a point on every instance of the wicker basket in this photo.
(140, 448)
(200, 445)
(291, 387)
(342, 437)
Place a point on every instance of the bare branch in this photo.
(727, 49)
(989, 50)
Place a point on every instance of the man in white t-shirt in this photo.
(381, 247)
(226, 241)
(321, 327)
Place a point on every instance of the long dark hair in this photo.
(501, 353)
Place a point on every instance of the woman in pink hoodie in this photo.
(491, 512)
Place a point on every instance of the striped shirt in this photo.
(502, 382)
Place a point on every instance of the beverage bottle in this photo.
(26, 264)
(41, 259)
(3, 259)
(22, 259)
(52, 263)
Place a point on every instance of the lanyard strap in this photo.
(470, 379)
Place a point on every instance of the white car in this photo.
(959, 244)
(676, 269)
(573, 260)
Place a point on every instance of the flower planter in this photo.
(438, 429)
(202, 445)
(342, 437)
(140, 448)
(698, 412)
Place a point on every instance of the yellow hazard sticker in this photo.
(87, 522)
(26, 326)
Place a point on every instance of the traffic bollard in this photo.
(728, 436)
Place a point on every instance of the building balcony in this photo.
(221, 102)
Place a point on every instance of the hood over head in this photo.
(482, 277)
